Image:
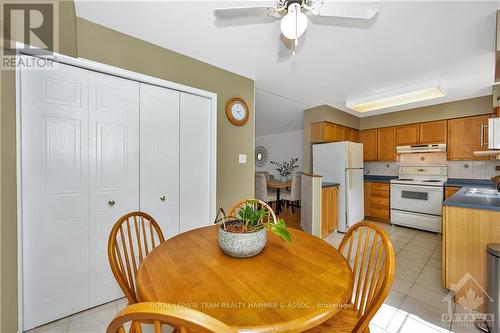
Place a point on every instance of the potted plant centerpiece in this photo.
(242, 233)
(286, 168)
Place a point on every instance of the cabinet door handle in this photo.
(162, 198)
(483, 127)
(111, 203)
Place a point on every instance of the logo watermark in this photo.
(471, 296)
(32, 27)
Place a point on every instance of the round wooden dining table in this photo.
(285, 288)
(278, 185)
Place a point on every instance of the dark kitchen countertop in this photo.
(460, 182)
(379, 179)
(459, 199)
(328, 184)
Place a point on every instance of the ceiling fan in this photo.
(294, 13)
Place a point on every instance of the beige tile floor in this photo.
(415, 303)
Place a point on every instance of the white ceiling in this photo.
(406, 43)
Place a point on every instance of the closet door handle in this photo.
(162, 198)
(111, 203)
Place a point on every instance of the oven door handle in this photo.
(428, 188)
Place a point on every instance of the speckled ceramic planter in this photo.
(242, 245)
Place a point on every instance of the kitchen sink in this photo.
(482, 192)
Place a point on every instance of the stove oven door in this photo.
(417, 198)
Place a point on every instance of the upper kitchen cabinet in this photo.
(433, 132)
(423, 133)
(386, 143)
(407, 134)
(324, 131)
(466, 135)
(341, 133)
(369, 141)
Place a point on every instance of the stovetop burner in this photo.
(406, 179)
(432, 181)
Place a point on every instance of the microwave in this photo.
(494, 133)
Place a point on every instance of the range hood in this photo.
(432, 148)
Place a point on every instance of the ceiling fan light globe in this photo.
(294, 24)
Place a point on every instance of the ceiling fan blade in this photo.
(346, 9)
(243, 12)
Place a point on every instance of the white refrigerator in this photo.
(342, 162)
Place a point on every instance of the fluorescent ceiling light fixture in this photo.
(401, 96)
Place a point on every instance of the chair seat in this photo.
(342, 322)
(271, 195)
(286, 195)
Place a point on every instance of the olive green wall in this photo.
(457, 109)
(323, 113)
(81, 38)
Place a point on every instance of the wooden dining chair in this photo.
(370, 254)
(132, 238)
(257, 202)
(158, 315)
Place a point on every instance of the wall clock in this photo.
(237, 111)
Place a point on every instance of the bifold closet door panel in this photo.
(159, 190)
(113, 172)
(195, 166)
(54, 190)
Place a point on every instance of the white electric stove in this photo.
(417, 196)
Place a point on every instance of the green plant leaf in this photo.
(280, 229)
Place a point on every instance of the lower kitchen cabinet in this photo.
(466, 233)
(377, 201)
(329, 209)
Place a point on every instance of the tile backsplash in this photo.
(456, 169)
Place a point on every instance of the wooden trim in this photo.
(310, 175)
(229, 114)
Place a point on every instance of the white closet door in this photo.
(113, 172)
(159, 193)
(54, 153)
(195, 166)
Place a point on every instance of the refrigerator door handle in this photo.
(350, 179)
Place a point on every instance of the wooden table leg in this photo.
(278, 202)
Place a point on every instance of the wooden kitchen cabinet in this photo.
(329, 210)
(325, 131)
(369, 141)
(366, 188)
(386, 144)
(351, 134)
(377, 200)
(466, 233)
(407, 134)
(322, 132)
(433, 132)
(450, 190)
(466, 135)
